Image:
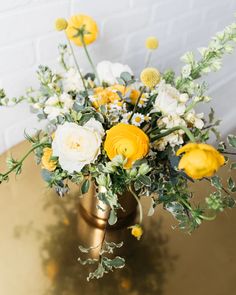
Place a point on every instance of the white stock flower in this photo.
(76, 146)
(168, 100)
(58, 105)
(72, 81)
(108, 72)
(195, 119)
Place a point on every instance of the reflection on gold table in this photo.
(39, 247)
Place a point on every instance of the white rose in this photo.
(76, 146)
(167, 100)
(72, 81)
(108, 71)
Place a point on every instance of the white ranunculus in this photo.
(108, 72)
(72, 81)
(168, 100)
(76, 146)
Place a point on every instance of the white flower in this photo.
(168, 100)
(108, 72)
(58, 105)
(72, 81)
(76, 146)
(137, 119)
(126, 117)
(195, 119)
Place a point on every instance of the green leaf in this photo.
(232, 140)
(231, 184)
(211, 115)
(112, 218)
(233, 166)
(117, 262)
(85, 186)
(46, 175)
(216, 182)
(126, 76)
(145, 180)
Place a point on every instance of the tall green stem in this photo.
(148, 59)
(89, 59)
(203, 217)
(136, 105)
(19, 163)
(76, 63)
(185, 129)
(139, 204)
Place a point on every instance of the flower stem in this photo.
(19, 163)
(185, 129)
(203, 217)
(148, 59)
(136, 105)
(139, 204)
(89, 59)
(76, 63)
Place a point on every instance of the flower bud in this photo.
(61, 24)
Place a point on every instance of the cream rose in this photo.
(76, 146)
(169, 100)
(108, 71)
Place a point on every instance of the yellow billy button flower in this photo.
(152, 43)
(79, 25)
(136, 231)
(61, 24)
(200, 160)
(47, 162)
(127, 140)
(150, 77)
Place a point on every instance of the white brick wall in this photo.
(27, 39)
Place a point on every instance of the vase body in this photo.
(93, 222)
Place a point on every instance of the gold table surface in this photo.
(39, 247)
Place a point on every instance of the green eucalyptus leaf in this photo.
(46, 175)
(85, 186)
(126, 76)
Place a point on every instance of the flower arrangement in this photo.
(125, 133)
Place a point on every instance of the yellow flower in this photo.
(134, 95)
(152, 43)
(61, 24)
(107, 95)
(79, 25)
(150, 77)
(200, 160)
(136, 231)
(127, 140)
(52, 269)
(47, 163)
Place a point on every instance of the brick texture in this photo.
(27, 39)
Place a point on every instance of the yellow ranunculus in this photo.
(200, 160)
(136, 231)
(82, 24)
(127, 140)
(47, 163)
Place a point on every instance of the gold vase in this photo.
(93, 222)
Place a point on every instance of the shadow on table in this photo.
(148, 261)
